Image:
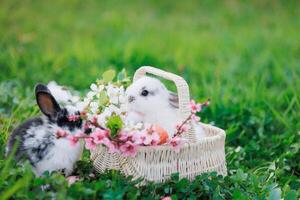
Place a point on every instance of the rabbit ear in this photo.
(173, 100)
(46, 101)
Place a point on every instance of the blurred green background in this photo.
(244, 55)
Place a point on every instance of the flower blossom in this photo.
(112, 146)
(73, 140)
(89, 143)
(113, 93)
(138, 138)
(128, 149)
(90, 95)
(195, 118)
(61, 134)
(125, 136)
(95, 91)
(176, 143)
(96, 88)
(182, 128)
(94, 120)
(98, 135)
(151, 139)
(195, 107)
(94, 106)
(102, 118)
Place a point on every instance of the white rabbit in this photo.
(148, 100)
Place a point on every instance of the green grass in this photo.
(244, 56)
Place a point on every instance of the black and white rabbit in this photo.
(36, 139)
(148, 100)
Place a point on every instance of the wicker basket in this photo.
(158, 163)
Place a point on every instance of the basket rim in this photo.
(219, 136)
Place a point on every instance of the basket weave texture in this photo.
(158, 163)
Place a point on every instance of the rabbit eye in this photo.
(145, 93)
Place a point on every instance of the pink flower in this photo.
(138, 138)
(207, 103)
(128, 149)
(87, 125)
(166, 198)
(176, 143)
(125, 136)
(182, 128)
(195, 118)
(73, 118)
(73, 140)
(83, 113)
(72, 179)
(89, 143)
(61, 133)
(98, 135)
(80, 135)
(195, 107)
(112, 146)
(150, 139)
(94, 120)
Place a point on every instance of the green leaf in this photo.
(182, 185)
(291, 195)
(123, 78)
(122, 75)
(240, 176)
(238, 195)
(103, 98)
(114, 123)
(108, 75)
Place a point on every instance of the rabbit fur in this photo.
(36, 140)
(148, 100)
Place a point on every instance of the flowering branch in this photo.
(195, 108)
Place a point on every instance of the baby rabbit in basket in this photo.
(36, 139)
(148, 100)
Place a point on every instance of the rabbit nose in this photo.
(131, 99)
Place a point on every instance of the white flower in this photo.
(114, 100)
(93, 87)
(107, 112)
(96, 89)
(94, 106)
(90, 95)
(122, 99)
(133, 126)
(90, 116)
(123, 108)
(121, 90)
(114, 92)
(101, 119)
(114, 109)
(139, 125)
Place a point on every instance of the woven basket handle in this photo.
(181, 85)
